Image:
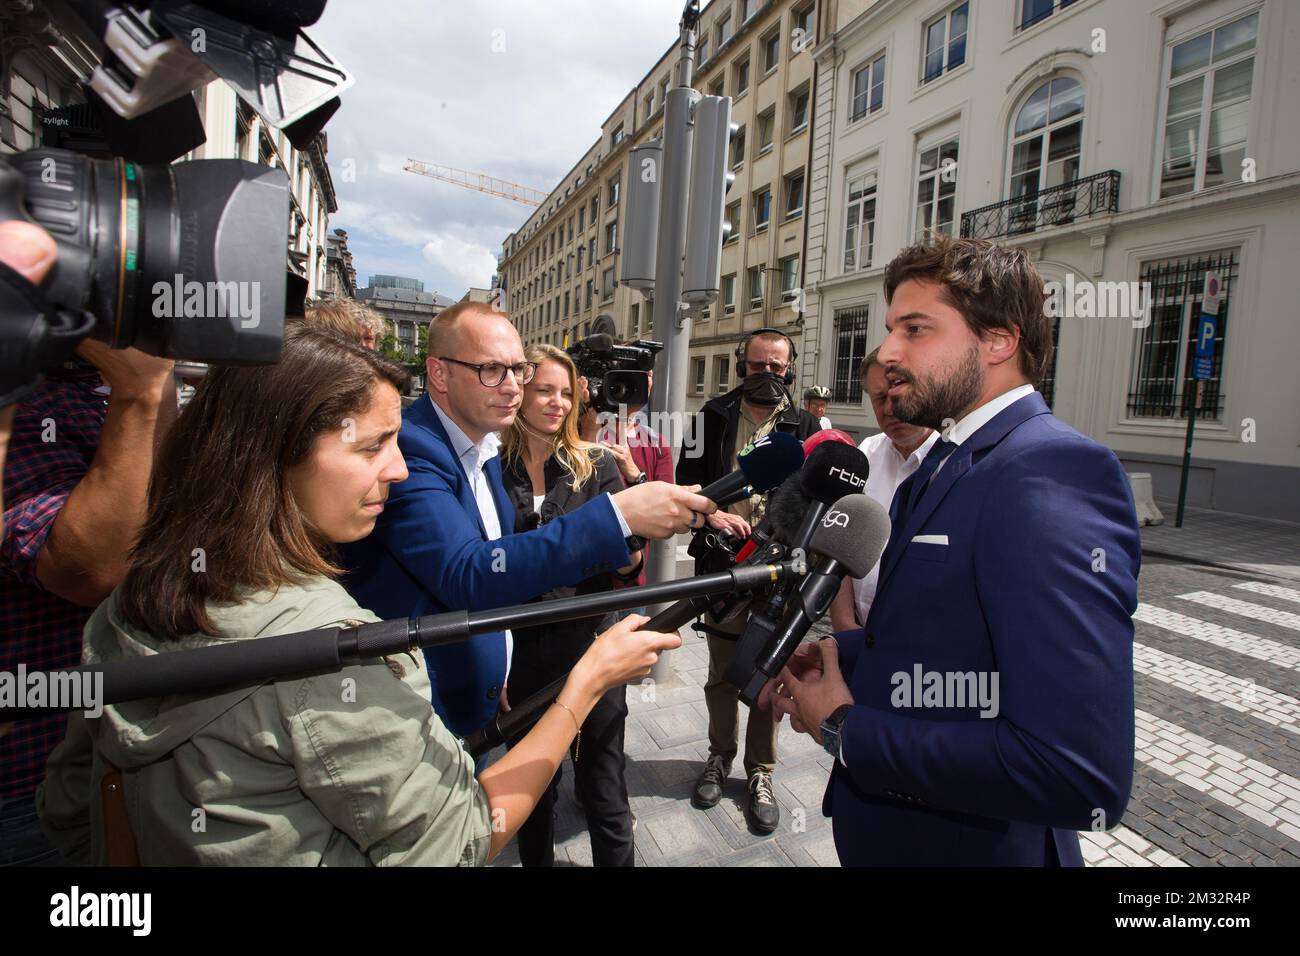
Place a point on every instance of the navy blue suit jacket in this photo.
(429, 553)
(1037, 583)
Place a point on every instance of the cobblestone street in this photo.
(1217, 769)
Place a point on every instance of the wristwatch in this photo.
(641, 479)
(831, 730)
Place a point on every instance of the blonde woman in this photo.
(548, 471)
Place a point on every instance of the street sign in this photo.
(1208, 327)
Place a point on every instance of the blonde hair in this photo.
(577, 456)
(335, 315)
(370, 319)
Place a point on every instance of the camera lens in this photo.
(186, 261)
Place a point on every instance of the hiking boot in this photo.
(708, 789)
(761, 811)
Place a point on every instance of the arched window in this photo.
(1046, 149)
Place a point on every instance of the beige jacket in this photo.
(348, 768)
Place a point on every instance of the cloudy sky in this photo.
(430, 86)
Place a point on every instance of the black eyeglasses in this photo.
(492, 374)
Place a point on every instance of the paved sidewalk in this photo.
(1255, 545)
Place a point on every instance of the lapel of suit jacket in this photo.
(957, 464)
(428, 418)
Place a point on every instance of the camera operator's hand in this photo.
(129, 372)
(658, 510)
(726, 521)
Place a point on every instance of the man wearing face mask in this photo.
(725, 426)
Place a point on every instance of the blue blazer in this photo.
(1037, 583)
(429, 553)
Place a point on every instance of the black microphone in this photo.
(832, 471)
(522, 716)
(850, 538)
(273, 658)
(764, 466)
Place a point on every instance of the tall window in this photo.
(742, 76)
(611, 236)
(580, 252)
(733, 217)
(1045, 145)
(860, 222)
(799, 109)
(805, 19)
(945, 42)
(748, 9)
(1207, 108)
(724, 30)
(738, 148)
(591, 251)
(729, 294)
(722, 372)
(1165, 355)
(789, 277)
(936, 189)
(697, 375)
(794, 195)
(868, 88)
(771, 50)
(702, 51)
(762, 208)
(607, 285)
(634, 321)
(756, 287)
(617, 136)
(614, 185)
(1035, 11)
(850, 332)
(766, 122)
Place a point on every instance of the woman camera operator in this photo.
(549, 471)
(264, 472)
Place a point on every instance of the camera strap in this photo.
(34, 335)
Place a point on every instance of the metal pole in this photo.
(1187, 453)
(672, 325)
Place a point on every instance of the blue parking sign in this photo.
(1208, 326)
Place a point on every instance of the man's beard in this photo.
(931, 402)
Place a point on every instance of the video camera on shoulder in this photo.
(617, 375)
(187, 260)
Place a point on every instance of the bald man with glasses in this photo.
(444, 541)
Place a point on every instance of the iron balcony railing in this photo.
(1055, 206)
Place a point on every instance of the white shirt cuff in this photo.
(622, 522)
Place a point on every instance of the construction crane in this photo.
(479, 181)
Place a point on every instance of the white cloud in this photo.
(468, 261)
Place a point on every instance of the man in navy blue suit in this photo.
(445, 538)
(984, 713)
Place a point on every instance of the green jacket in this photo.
(350, 768)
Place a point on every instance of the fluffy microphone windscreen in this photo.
(772, 459)
(854, 533)
(786, 507)
(826, 434)
(833, 471)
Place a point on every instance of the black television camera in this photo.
(616, 374)
(187, 260)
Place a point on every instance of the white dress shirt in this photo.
(472, 458)
(977, 418)
(889, 469)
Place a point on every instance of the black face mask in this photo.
(765, 389)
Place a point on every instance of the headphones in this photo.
(743, 348)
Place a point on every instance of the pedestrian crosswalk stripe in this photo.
(1241, 695)
(1272, 590)
(1260, 648)
(1221, 773)
(1259, 612)
(1122, 847)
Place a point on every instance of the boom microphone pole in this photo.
(269, 658)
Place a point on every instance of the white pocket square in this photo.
(930, 539)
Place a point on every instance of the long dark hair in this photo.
(221, 519)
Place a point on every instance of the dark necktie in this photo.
(921, 479)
